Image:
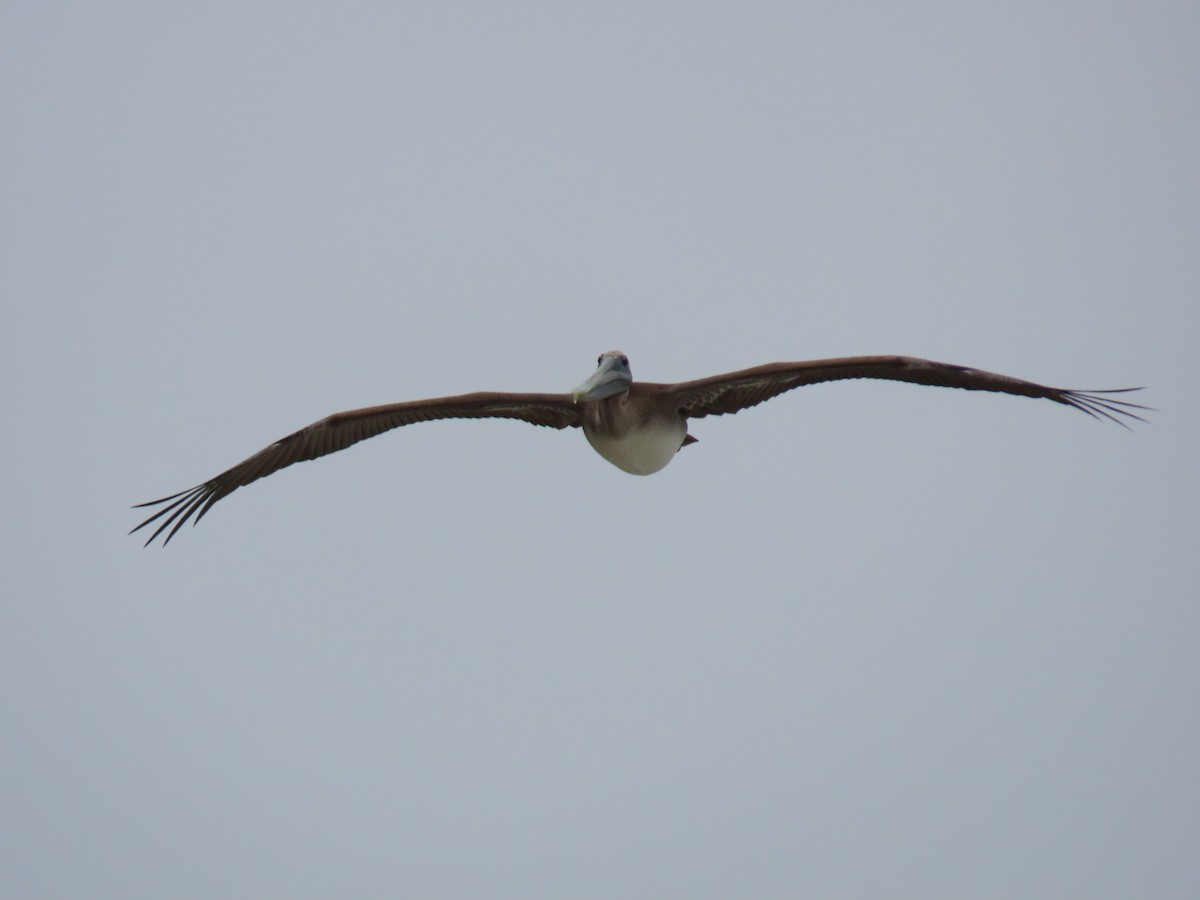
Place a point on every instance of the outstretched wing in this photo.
(729, 393)
(339, 431)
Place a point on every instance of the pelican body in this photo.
(627, 423)
(636, 426)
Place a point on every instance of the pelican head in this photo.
(612, 376)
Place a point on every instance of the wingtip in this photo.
(1100, 405)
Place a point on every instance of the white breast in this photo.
(643, 450)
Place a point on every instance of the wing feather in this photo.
(720, 395)
(343, 429)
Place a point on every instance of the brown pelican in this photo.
(636, 426)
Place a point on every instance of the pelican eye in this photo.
(624, 360)
(599, 360)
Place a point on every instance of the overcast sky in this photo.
(867, 640)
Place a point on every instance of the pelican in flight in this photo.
(637, 426)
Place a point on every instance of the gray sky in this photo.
(866, 640)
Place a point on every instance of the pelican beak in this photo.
(612, 376)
